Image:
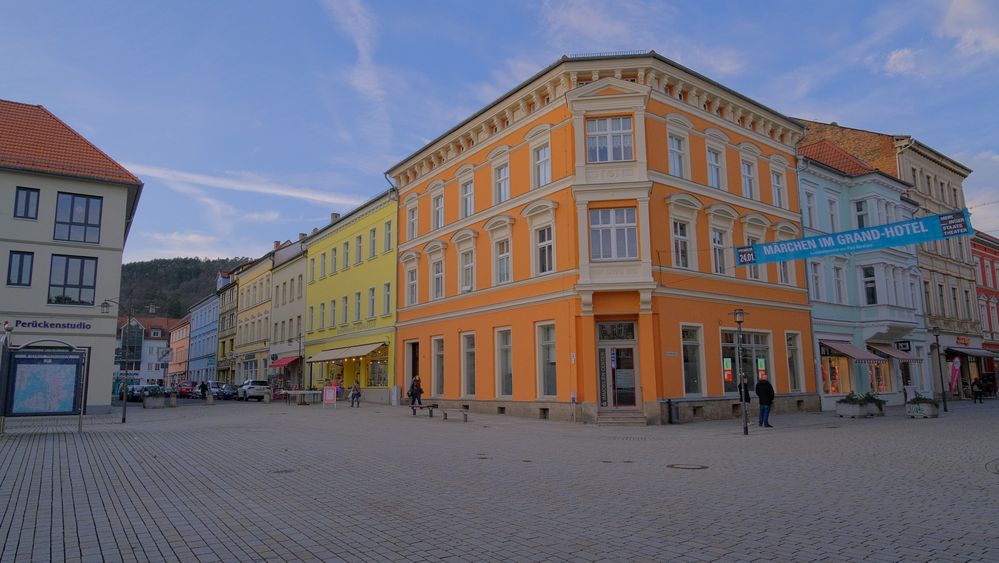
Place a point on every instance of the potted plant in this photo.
(152, 397)
(852, 405)
(875, 406)
(922, 407)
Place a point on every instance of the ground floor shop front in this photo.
(611, 355)
(365, 358)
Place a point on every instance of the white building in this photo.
(142, 349)
(67, 208)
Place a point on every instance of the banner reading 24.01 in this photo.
(912, 231)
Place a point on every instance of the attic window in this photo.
(546, 99)
(155, 333)
(631, 79)
(582, 83)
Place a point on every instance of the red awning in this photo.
(852, 351)
(888, 350)
(285, 362)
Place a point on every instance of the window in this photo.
(26, 203)
(411, 222)
(546, 250)
(467, 260)
(437, 367)
(284, 294)
(808, 213)
(437, 279)
(839, 286)
(19, 267)
(311, 318)
(388, 236)
(860, 209)
(793, 362)
(690, 342)
(72, 280)
(547, 360)
(298, 325)
(322, 265)
(371, 302)
(346, 255)
(940, 299)
(332, 312)
(955, 198)
(718, 250)
(504, 362)
(967, 306)
(372, 242)
(468, 364)
(467, 198)
(833, 215)
(815, 280)
(676, 156)
(387, 299)
(411, 286)
(609, 139)
(714, 168)
(753, 270)
(501, 186)
(870, 286)
(780, 198)
(301, 287)
(503, 261)
(437, 211)
(322, 316)
(755, 358)
(542, 165)
(748, 180)
(344, 306)
(358, 242)
(78, 218)
(333, 260)
(357, 306)
(613, 234)
(681, 245)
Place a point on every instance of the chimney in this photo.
(301, 236)
(334, 217)
(277, 244)
(315, 230)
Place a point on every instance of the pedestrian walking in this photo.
(416, 392)
(978, 390)
(355, 393)
(204, 390)
(765, 392)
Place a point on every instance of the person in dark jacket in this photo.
(416, 392)
(744, 390)
(765, 392)
(978, 390)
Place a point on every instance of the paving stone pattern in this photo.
(274, 482)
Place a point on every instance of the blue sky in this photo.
(252, 120)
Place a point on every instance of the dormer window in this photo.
(609, 139)
(155, 333)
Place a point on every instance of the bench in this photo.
(462, 412)
(425, 407)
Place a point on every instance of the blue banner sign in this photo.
(913, 231)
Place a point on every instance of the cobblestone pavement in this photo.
(247, 481)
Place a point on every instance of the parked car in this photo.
(137, 392)
(169, 390)
(253, 389)
(215, 388)
(185, 389)
(228, 392)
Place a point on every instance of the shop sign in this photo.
(727, 365)
(761, 367)
(903, 345)
(912, 231)
(963, 341)
(20, 323)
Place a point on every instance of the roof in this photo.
(33, 139)
(831, 155)
(583, 58)
(164, 324)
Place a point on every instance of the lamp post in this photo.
(740, 317)
(105, 309)
(935, 331)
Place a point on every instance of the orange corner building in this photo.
(567, 251)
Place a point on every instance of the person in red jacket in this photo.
(765, 392)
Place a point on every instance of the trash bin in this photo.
(671, 411)
(394, 396)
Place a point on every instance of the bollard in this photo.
(267, 397)
(173, 399)
(669, 411)
(210, 398)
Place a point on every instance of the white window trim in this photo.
(749, 153)
(410, 262)
(719, 141)
(613, 227)
(779, 165)
(435, 252)
(464, 241)
(433, 366)
(722, 217)
(539, 368)
(703, 368)
(755, 226)
(540, 214)
(786, 231)
(412, 221)
(686, 208)
(500, 228)
(798, 360)
(537, 137)
(496, 358)
(497, 165)
(816, 285)
(608, 134)
(464, 376)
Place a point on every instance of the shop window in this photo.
(437, 367)
(504, 362)
(755, 360)
(836, 377)
(690, 337)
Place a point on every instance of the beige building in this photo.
(253, 319)
(180, 347)
(67, 208)
(287, 311)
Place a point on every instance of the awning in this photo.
(285, 362)
(346, 352)
(977, 352)
(893, 352)
(852, 351)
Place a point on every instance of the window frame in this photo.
(539, 347)
(499, 375)
(387, 236)
(84, 260)
(437, 290)
(372, 242)
(436, 211)
(614, 229)
(609, 135)
(21, 255)
(412, 222)
(86, 225)
(466, 198)
(437, 363)
(500, 257)
(31, 212)
(412, 286)
(501, 184)
(701, 375)
(682, 155)
(372, 298)
(357, 306)
(536, 176)
(539, 248)
(468, 391)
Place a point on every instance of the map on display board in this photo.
(44, 383)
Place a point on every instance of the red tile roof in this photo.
(831, 155)
(32, 138)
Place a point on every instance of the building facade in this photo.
(228, 296)
(253, 313)
(141, 357)
(180, 352)
(67, 211)
(568, 252)
(350, 300)
(985, 251)
(946, 267)
(867, 316)
(204, 339)
(287, 313)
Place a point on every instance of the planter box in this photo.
(153, 402)
(873, 410)
(851, 410)
(922, 410)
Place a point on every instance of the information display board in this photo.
(44, 383)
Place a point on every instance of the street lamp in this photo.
(935, 331)
(105, 309)
(740, 317)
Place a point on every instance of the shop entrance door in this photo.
(617, 376)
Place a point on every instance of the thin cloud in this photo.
(181, 237)
(974, 24)
(243, 185)
(900, 61)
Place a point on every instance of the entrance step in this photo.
(623, 417)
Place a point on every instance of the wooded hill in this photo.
(171, 284)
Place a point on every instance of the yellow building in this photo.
(253, 312)
(350, 300)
